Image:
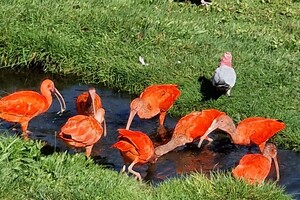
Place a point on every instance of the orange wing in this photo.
(163, 96)
(195, 124)
(141, 142)
(253, 168)
(259, 129)
(23, 104)
(81, 131)
(84, 104)
(128, 150)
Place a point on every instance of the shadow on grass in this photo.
(207, 90)
(196, 2)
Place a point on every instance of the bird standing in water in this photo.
(22, 106)
(224, 77)
(252, 130)
(189, 128)
(254, 168)
(154, 100)
(84, 104)
(136, 148)
(81, 131)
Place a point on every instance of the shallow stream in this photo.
(220, 155)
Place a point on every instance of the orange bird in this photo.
(83, 131)
(136, 148)
(252, 130)
(254, 168)
(84, 104)
(22, 106)
(189, 128)
(154, 100)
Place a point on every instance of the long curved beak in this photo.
(214, 125)
(130, 118)
(104, 127)
(61, 101)
(276, 168)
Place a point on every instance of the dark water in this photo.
(220, 155)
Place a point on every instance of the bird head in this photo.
(135, 106)
(226, 59)
(48, 86)
(270, 152)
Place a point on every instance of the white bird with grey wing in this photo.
(225, 76)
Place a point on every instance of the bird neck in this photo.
(48, 96)
(239, 137)
(172, 144)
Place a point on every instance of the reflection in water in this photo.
(220, 155)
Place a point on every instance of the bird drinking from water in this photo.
(252, 130)
(154, 100)
(254, 168)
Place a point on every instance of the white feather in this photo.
(224, 75)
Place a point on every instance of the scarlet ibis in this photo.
(22, 106)
(136, 148)
(82, 131)
(84, 104)
(154, 100)
(252, 130)
(190, 128)
(254, 168)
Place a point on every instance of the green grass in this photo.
(100, 41)
(28, 174)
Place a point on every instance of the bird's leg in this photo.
(123, 169)
(25, 132)
(228, 92)
(137, 175)
(161, 129)
(203, 2)
(88, 150)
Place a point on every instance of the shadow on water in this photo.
(221, 155)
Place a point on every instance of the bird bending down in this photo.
(84, 105)
(22, 106)
(252, 130)
(189, 128)
(81, 131)
(224, 77)
(154, 100)
(254, 168)
(136, 148)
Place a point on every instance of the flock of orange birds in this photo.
(86, 128)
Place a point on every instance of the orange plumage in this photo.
(154, 100)
(254, 168)
(83, 131)
(253, 130)
(189, 128)
(136, 148)
(22, 106)
(87, 103)
(84, 102)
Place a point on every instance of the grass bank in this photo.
(100, 41)
(28, 174)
